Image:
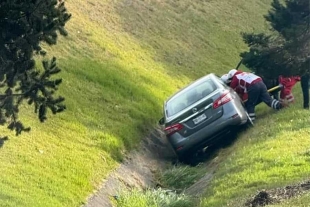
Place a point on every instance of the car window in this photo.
(189, 96)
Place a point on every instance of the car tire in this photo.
(189, 158)
(186, 159)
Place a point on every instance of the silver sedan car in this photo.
(200, 114)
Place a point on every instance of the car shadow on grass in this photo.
(208, 153)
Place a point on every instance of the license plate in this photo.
(199, 119)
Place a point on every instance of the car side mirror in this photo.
(161, 121)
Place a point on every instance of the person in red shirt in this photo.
(288, 84)
(243, 96)
(255, 88)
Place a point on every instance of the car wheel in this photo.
(189, 158)
(186, 159)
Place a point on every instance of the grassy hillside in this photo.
(270, 156)
(273, 154)
(120, 61)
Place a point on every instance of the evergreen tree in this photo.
(286, 50)
(24, 25)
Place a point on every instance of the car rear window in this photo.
(189, 96)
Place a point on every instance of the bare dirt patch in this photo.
(137, 170)
(197, 189)
(278, 195)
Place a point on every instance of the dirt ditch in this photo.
(137, 171)
(139, 168)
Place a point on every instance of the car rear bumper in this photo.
(210, 134)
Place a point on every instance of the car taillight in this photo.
(172, 129)
(223, 99)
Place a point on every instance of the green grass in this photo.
(274, 153)
(180, 177)
(153, 198)
(119, 63)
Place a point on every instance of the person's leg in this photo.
(282, 96)
(253, 99)
(305, 90)
(290, 98)
(265, 97)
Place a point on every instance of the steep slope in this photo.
(266, 158)
(120, 61)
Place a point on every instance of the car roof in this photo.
(193, 84)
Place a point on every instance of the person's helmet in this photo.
(231, 73)
(224, 78)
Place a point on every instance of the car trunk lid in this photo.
(199, 115)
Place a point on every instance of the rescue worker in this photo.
(255, 88)
(288, 84)
(224, 78)
(243, 96)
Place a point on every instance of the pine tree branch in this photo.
(30, 13)
(25, 25)
(4, 96)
